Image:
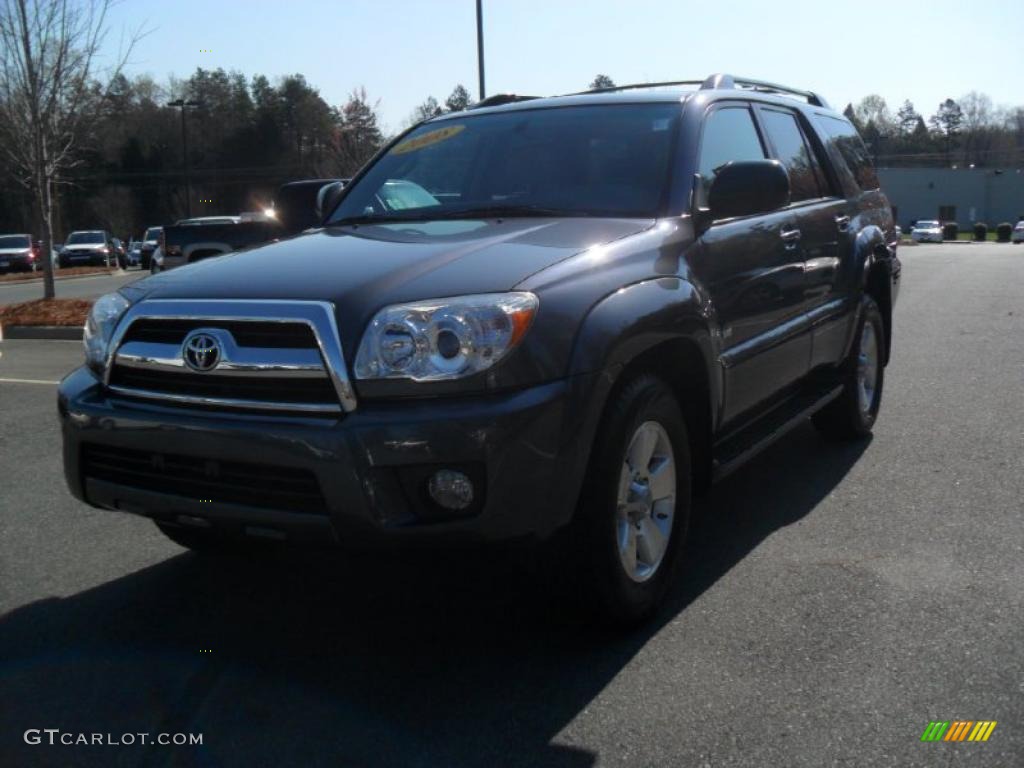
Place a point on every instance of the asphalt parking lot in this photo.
(836, 599)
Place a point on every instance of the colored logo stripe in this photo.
(982, 730)
(958, 730)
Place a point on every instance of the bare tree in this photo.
(48, 52)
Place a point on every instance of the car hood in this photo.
(361, 269)
(14, 251)
(84, 247)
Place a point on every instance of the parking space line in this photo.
(27, 381)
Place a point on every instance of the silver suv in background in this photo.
(926, 232)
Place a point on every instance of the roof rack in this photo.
(722, 82)
(500, 98)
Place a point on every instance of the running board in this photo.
(751, 440)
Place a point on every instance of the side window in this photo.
(851, 149)
(729, 134)
(806, 180)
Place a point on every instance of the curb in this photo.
(41, 332)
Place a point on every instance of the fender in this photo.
(618, 329)
(630, 321)
(871, 256)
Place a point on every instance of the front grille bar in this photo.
(225, 402)
(238, 361)
(318, 315)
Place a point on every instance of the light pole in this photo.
(480, 46)
(183, 105)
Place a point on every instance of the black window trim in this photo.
(828, 179)
(857, 188)
(714, 106)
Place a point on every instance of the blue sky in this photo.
(405, 50)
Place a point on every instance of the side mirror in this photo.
(747, 188)
(327, 198)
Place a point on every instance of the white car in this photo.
(926, 232)
(1018, 233)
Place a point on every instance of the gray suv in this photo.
(555, 319)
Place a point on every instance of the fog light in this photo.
(451, 489)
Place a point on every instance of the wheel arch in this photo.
(662, 327)
(874, 259)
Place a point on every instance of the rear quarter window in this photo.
(843, 137)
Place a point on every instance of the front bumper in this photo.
(16, 263)
(527, 449)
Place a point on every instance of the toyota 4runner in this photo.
(552, 318)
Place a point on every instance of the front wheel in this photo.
(635, 506)
(852, 415)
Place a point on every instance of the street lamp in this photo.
(183, 105)
(480, 46)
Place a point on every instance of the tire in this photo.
(852, 415)
(625, 516)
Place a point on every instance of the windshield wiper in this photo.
(374, 219)
(506, 211)
(478, 212)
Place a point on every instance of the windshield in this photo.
(927, 224)
(151, 234)
(14, 241)
(602, 160)
(79, 238)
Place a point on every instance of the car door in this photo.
(753, 268)
(820, 216)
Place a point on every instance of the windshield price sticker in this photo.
(427, 139)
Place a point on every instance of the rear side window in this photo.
(843, 136)
(805, 177)
(729, 135)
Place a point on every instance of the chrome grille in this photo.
(273, 356)
(246, 333)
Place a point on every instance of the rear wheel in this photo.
(852, 415)
(635, 506)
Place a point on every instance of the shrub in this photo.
(980, 232)
(1003, 232)
(950, 230)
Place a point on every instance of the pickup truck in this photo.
(551, 319)
(192, 240)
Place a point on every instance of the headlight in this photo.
(443, 338)
(100, 327)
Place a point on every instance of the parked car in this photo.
(1018, 233)
(599, 304)
(134, 257)
(295, 209)
(94, 247)
(120, 252)
(150, 241)
(200, 238)
(926, 232)
(295, 204)
(19, 253)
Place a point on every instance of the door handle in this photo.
(843, 223)
(790, 237)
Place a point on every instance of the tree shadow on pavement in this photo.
(416, 659)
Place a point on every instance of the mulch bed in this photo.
(66, 312)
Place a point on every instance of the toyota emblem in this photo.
(201, 351)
